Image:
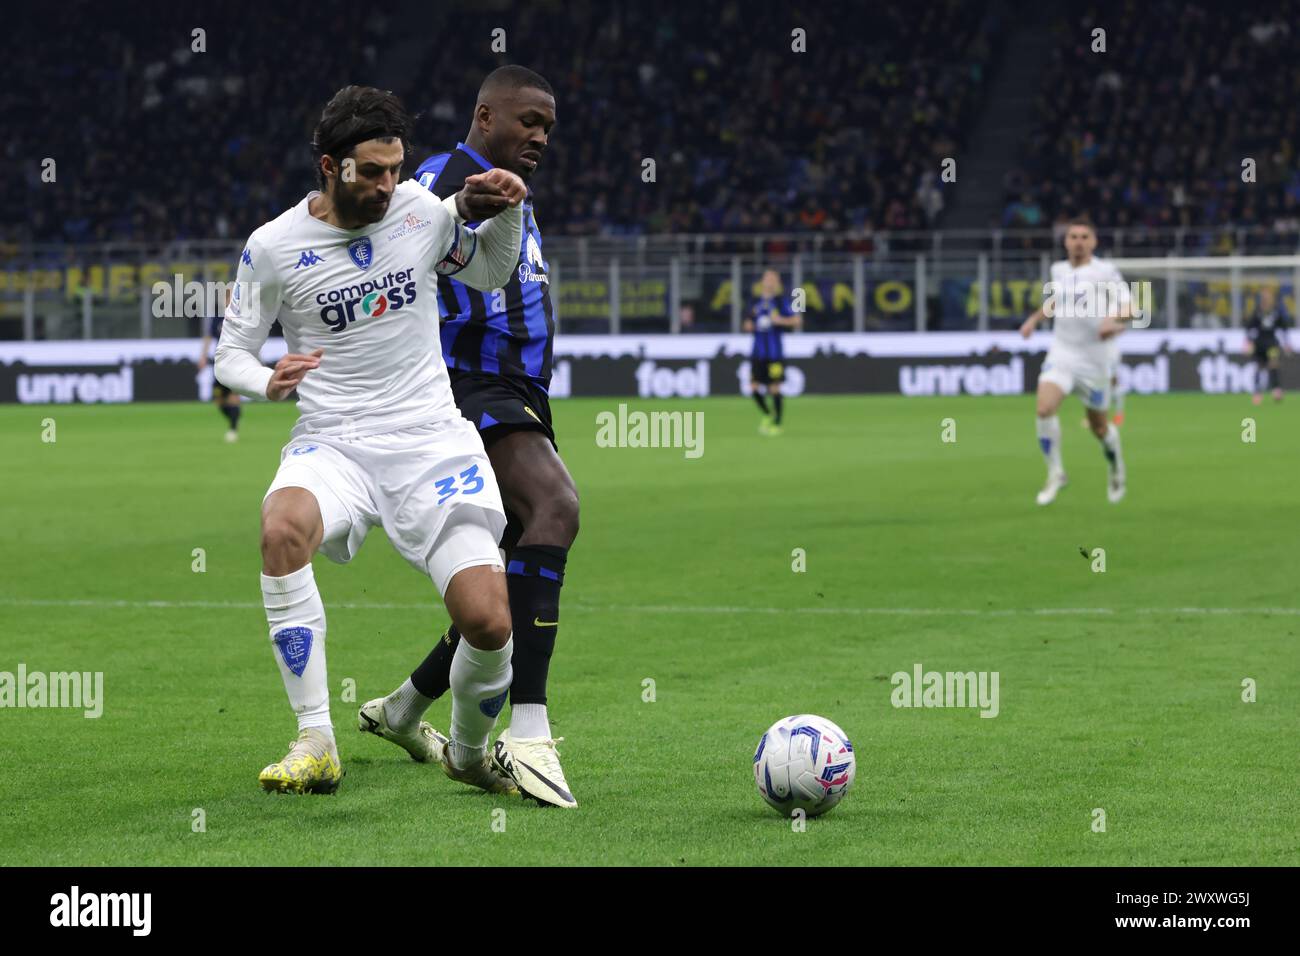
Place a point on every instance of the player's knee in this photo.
(566, 516)
(556, 520)
(284, 542)
(486, 626)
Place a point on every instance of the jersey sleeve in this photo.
(482, 257)
(252, 310)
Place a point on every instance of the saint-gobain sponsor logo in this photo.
(1006, 379)
(63, 388)
(369, 299)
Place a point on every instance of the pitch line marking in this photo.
(673, 609)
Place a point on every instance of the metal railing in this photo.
(895, 281)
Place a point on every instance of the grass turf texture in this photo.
(917, 551)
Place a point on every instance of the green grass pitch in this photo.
(1119, 690)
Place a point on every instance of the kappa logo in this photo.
(308, 259)
(245, 258)
(361, 252)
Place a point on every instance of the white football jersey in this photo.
(1091, 291)
(365, 296)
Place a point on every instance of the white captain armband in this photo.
(463, 246)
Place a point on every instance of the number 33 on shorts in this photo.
(471, 484)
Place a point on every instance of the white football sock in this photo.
(1049, 439)
(297, 621)
(529, 720)
(480, 681)
(1111, 447)
(404, 707)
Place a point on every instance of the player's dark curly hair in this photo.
(354, 115)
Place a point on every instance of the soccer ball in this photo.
(803, 763)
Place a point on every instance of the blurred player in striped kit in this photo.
(770, 314)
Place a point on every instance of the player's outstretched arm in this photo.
(485, 256)
(250, 313)
(1031, 323)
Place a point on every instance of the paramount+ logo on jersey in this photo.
(366, 300)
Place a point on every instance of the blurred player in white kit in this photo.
(1089, 305)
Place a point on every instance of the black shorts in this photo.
(497, 405)
(1267, 352)
(766, 372)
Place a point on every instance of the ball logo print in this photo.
(804, 763)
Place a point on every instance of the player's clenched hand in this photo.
(486, 194)
(288, 372)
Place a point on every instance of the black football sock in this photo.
(778, 400)
(762, 402)
(225, 413)
(1274, 378)
(534, 575)
(232, 412)
(433, 676)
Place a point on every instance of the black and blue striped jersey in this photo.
(767, 334)
(509, 333)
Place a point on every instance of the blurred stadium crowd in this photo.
(1157, 137)
(154, 141)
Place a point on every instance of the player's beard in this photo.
(352, 208)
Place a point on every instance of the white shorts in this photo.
(430, 487)
(1090, 384)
